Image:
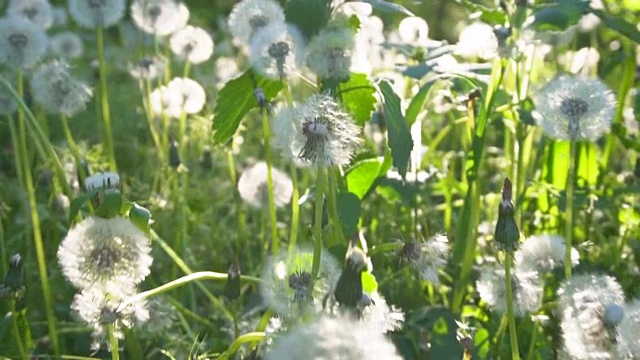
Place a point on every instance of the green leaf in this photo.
(417, 71)
(348, 212)
(369, 282)
(587, 167)
(308, 15)
(488, 15)
(417, 103)
(400, 140)
(559, 15)
(140, 217)
(76, 203)
(357, 97)
(554, 170)
(235, 99)
(617, 23)
(387, 6)
(110, 205)
(361, 176)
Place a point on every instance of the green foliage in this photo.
(559, 15)
(400, 140)
(357, 97)
(308, 15)
(348, 212)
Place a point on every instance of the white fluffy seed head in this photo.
(575, 108)
(96, 13)
(253, 188)
(629, 328)
(148, 68)
(159, 17)
(525, 285)
(477, 41)
(107, 254)
(287, 277)
(277, 51)
(248, 17)
(180, 94)
(543, 253)
(66, 44)
(329, 53)
(331, 337)
(22, 43)
(106, 180)
(317, 132)
(192, 44)
(427, 257)
(38, 12)
(57, 91)
(413, 30)
(582, 302)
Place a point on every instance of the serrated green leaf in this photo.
(357, 97)
(617, 23)
(400, 140)
(361, 176)
(308, 15)
(387, 6)
(235, 99)
(348, 212)
(369, 282)
(417, 103)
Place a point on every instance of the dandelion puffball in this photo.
(253, 188)
(22, 43)
(248, 17)
(159, 17)
(277, 51)
(96, 13)
(57, 91)
(192, 44)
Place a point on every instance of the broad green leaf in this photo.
(140, 217)
(560, 15)
(617, 23)
(357, 97)
(348, 212)
(587, 167)
(235, 99)
(76, 203)
(308, 15)
(555, 168)
(361, 176)
(417, 103)
(111, 204)
(417, 71)
(369, 282)
(400, 140)
(387, 6)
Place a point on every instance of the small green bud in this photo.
(174, 155)
(348, 290)
(232, 286)
(507, 234)
(14, 280)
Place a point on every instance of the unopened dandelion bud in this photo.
(206, 161)
(507, 234)
(232, 286)
(348, 291)
(174, 155)
(14, 280)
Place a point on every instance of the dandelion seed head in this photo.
(106, 180)
(180, 94)
(105, 253)
(96, 13)
(249, 17)
(629, 328)
(192, 44)
(379, 315)
(427, 257)
(287, 277)
(22, 43)
(575, 108)
(331, 337)
(317, 132)
(57, 91)
(159, 17)
(525, 285)
(38, 12)
(543, 253)
(582, 304)
(277, 51)
(66, 44)
(253, 188)
(413, 30)
(148, 68)
(329, 53)
(477, 41)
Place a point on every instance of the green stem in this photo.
(532, 343)
(35, 224)
(568, 226)
(332, 204)
(243, 234)
(16, 330)
(295, 209)
(241, 340)
(269, 161)
(75, 151)
(513, 331)
(104, 101)
(113, 342)
(317, 229)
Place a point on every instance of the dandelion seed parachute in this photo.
(248, 17)
(277, 51)
(159, 17)
(38, 12)
(66, 44)
(96, 13)
(253, 189)
(543, 253)
(22, 43)
(192, 44)
(57, 91)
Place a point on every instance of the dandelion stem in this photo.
(532, 343)
(16, 330)
(104, 101)
(269, 161)
(243, 233)
(295, 195)
(513, 331)
(241, 340)
(113, 342)
(568, 226)
(317, 230)
(75, 152)
(35, 222)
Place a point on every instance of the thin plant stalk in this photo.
(269, 161)
(295, 195)
(75, 151)
(113, 342)
(317, 229)
(104, 101)
(253, 337)
(243, 233)
(513, 331)
(531, 354)
(35, 222)
(16, 330)
(568, 227)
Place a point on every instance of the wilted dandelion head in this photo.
(148, 68)
(192, 44)
(248, 17)
(413, 30)
(22, 43)
(8, 105)
(317, 132)
(38, 12)
(427, 257)
(477, 41)
(525, 285)
(96, 13)
(629, 328)
(543, 253)
(66, 44)
(105, 253)
(575, 108)
(329, 53)
(286, 281)
(277, 51)
(331, 337)
(98, 309)
(57, 91)
(583, 301)
(253, 188)
(180, 95)
(159, 17)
